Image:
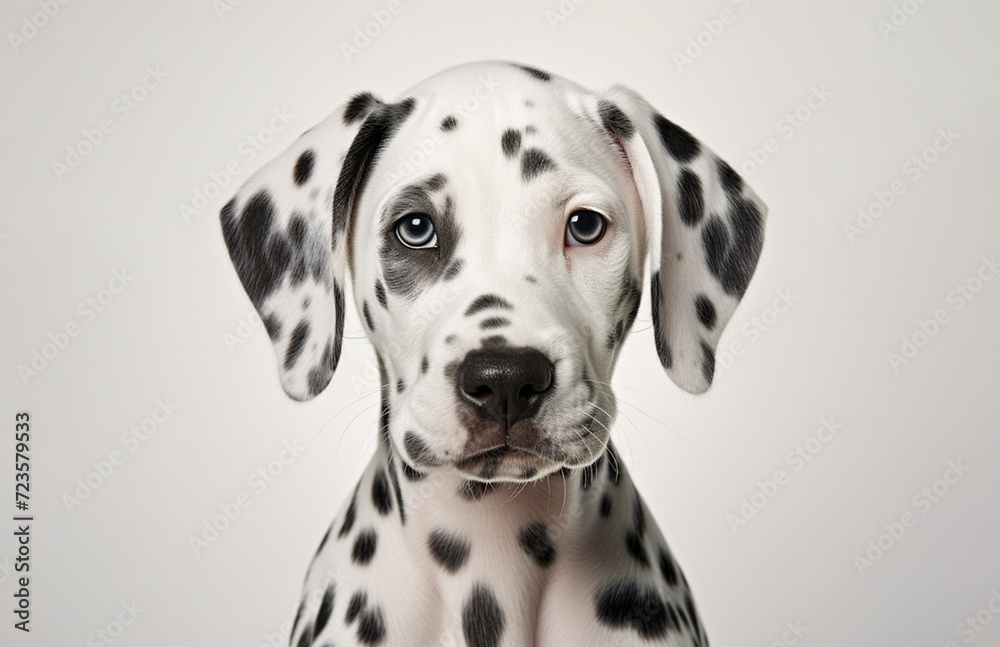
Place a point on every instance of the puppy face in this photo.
(497, 277)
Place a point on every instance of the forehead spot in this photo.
(510, 142)
(494, 322)
(485, 301)
(534, 162)
(449, 123)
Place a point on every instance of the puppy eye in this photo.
(585, 228)
(416, 231)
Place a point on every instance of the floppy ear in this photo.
(286, 231)
(705, 229)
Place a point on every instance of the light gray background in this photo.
(693, 458)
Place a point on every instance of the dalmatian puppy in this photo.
(494, 223)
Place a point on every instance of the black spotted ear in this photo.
(705, 227)
(286, 231)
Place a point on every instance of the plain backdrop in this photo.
(879, 115)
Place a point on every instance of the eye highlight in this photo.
(416, 231)
(585, 227)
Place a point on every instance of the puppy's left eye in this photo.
(585, 228)
(416, 231)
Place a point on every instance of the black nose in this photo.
(505, 384)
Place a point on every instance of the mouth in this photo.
(517, 464)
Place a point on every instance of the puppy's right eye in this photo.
(416, 231)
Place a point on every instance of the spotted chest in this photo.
(418, 559)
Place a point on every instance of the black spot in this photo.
(453, 270)
(305, 640)
(357, 604)
(535, 541)
(435, 182)
(296, 344)
(451, 339)
(260, 253)
(678, 142)
(633, 543)
(614, 120)
(530, 279)
(376, 130)
(730, 179)
(605, 505)
(638, 516)
(490, 466)
(623, 604)
(380, 493)
(350, 515)
(448, 550)
(473, 490)
(705, 310)
(510, 142)
(488, 301)
(325, 609)
(400, 385)
(410, 473)
(667, 569)
(529, 472)
(273, 326)
(589, 473)
(298, 617)
(494, 322)
(368, 316)
(691, 203)
(418, 450)
(732, 261)
(662, 348)
(424, 365)
(494, 341)
(482, 618)
(358, 107)
(394, 477)
(534, 71)
(322, 542)
(529, 129)
(304, 167)
(707, 362)
(449, 123)
(534, 162)
(380, 294)
(364, 546)
(371, 627)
